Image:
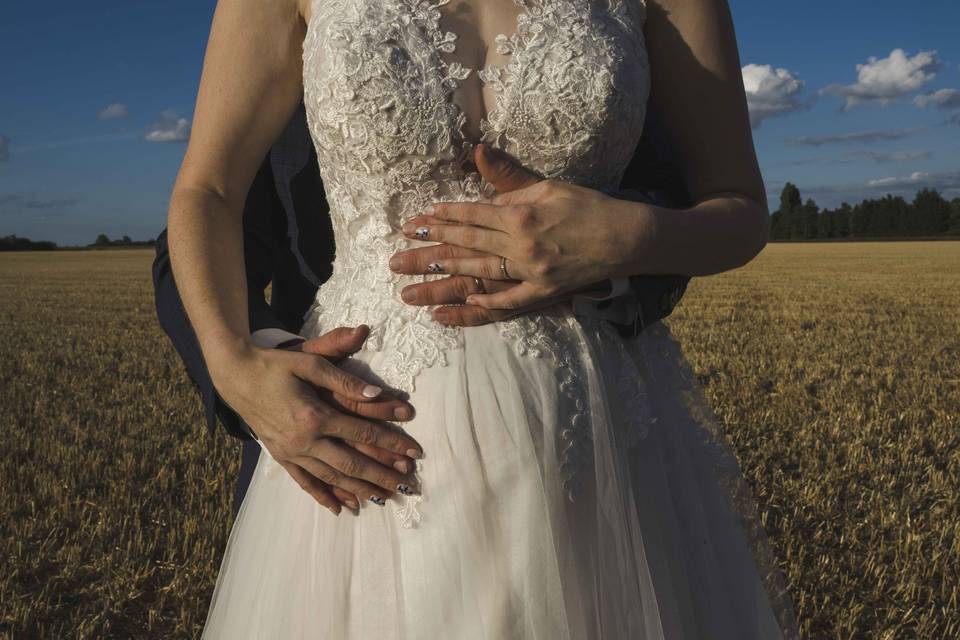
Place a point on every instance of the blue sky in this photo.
(96, 97)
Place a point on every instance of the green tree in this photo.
(808, 219)
(785, 223)
(931, 213)
(861, 219)
(102, 240)
(954, 227)
(841, 221)
(892, 216)
(825, 224)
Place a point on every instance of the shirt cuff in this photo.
(618, 287)
(619, 305)
(270, 338)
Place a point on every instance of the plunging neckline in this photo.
(456, 71)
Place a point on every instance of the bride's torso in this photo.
(394, 111)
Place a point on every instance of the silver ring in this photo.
(503, 268)
(481, 288)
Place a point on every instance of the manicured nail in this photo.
(413, 453)
(422, 233)
(371, 391)
(408, 228)
(435, 267)
(334, 511)
(409, 295)
(429, 210)
(402, 413)
(471, 300)
(402, 466)
(405, 489)
(352, 503)
(395, 262)
(378, 500)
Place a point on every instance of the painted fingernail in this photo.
(405, 489)
(402, 413)
(435, 267)
(378, 500)
(395, 262)
(413, 453)
(409, 295)
(402, 466)
(371, 391)
(422, 233)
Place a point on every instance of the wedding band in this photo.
(503, 268)
(480, 286)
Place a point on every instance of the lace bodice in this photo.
(570, 105)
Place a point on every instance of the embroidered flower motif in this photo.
(569, 105)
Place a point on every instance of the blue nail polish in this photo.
(435, 267)
(422, 232)
(378, 500)
(405, 489)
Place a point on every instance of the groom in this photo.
(288, 244)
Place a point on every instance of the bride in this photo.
(568, 482)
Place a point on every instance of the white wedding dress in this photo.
(574, 483)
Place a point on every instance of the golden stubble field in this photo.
(834, 368)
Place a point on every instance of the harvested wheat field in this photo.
(834, 369)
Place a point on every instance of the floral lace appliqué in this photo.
(570, 105)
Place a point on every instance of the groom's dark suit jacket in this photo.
(288, 241)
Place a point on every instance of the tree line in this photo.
(18, 243)
(888, 217)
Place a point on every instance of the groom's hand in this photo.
(505, 176)
(309, 414)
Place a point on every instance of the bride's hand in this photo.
(506, 177)
(309, 413)
(556, 238)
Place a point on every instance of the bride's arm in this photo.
(250, 86)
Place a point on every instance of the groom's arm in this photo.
(261, 244)
(634, 303)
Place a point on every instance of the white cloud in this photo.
(853, 156)
(113, 111)
(4, 148)
(17, 203)
(883, 80)
(944, 99)
(859, 137)
(170, 128)
(770, 92)
(895, 156)
(941, 180)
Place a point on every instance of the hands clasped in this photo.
(553, 239)
(321, 423)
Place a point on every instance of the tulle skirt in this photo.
(604, 504)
